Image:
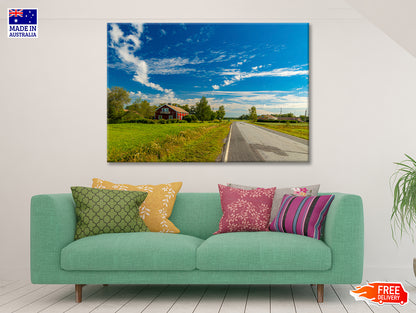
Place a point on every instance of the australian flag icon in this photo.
(23, 16)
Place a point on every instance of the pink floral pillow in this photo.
(245, 210)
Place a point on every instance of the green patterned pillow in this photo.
(101, 211)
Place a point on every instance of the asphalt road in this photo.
(247, 143)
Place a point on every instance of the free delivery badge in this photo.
(381, 293)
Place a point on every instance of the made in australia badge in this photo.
(22, 23)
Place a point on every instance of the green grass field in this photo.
(178, 142)
(300, 130)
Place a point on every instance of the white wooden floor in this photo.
(18, 296)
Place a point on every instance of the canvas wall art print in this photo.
(211, 92)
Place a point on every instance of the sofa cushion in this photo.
(107, 211)
(311, 190)
(302, 215)
(132, 251)
(263, 251)
(245, 210)
(157, 208)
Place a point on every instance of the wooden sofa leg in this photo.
(78, 293)
(320, 289)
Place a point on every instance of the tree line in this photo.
(252, 115)
(120, 110)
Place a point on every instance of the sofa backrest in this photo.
(197, 214)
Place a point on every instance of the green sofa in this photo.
(194, 256)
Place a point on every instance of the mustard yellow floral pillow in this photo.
(156, 208)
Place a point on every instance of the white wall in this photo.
(53, 114)
(395, 18)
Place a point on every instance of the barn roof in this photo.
(177, 109)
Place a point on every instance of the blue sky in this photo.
(235, 65)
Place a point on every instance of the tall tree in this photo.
(203, 110)
(252, 112)
(221, 112)
(150, 110)
(135, 106)
(143, 108)
(117, 97)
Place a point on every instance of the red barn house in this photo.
(170, 112)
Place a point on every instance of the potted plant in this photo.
(403, 217)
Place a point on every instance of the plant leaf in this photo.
(403, 181)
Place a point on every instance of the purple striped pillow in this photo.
(302, 215)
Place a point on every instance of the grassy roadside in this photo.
(193, 142)
(300, 130)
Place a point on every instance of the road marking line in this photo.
(228, 145)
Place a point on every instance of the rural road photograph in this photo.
(251, 143)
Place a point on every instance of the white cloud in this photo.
(266, 102)
(248, 93)
(171, 66)
(291, 101)
(115, 33)
(272, 100)
(138, 27)
(279, 72)
(219, 56)
(262, 111)
(230, 72)
(137, 94)
(132, 42)
(125, 46)
(260, 98)
(216, 87)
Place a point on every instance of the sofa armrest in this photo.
(344, 234)
(52, 227)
